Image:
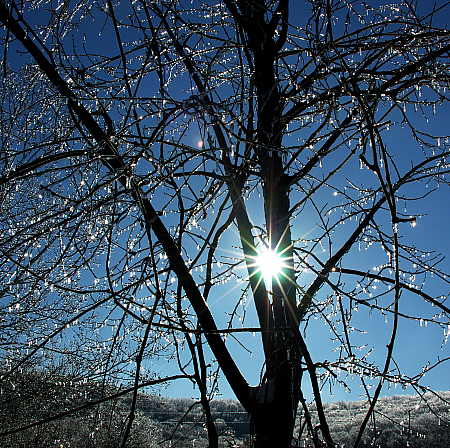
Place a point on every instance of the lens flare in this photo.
(270, 264)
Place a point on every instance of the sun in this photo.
(270, 264)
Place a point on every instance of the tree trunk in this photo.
(274, 412)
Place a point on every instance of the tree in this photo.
(98, 426)
(142, 140)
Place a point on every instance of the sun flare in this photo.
(270, 264)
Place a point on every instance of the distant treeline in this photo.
(34, 397)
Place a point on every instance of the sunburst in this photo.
(270, 264)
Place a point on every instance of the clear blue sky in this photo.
(417, 343)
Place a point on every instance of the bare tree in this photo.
(158, 155)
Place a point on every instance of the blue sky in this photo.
(417, 343)
(416, 339)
